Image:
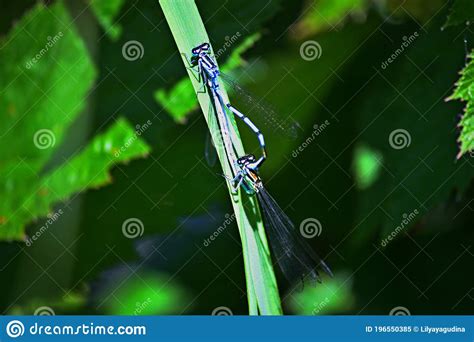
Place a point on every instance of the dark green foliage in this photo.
(45, 75)
(396, 222)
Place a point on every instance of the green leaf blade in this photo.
(263, 297)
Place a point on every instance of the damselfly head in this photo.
(198, 52)
(204, 47)
(245, 160)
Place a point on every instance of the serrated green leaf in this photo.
(462, 12)
(106, 12)
(464, 92)
(31, 195)
(45, 75)
(179, 101)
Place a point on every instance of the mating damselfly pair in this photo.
(295, 257)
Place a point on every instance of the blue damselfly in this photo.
(209, 75)
(296, 259)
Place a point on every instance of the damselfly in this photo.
(295, 257)
(208, 74)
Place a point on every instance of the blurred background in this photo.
(109, 200)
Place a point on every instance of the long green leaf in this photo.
(263, 297)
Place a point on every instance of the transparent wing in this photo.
(258, 108)
(294, 256)
(210, 152)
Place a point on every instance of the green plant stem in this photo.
(188, 31)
